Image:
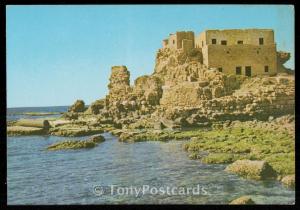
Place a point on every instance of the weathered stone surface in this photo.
(71, 130)
(148, 89)
(35, 123)
(24, 131)
(119, 84)
(159, 125)
(244, 200)
(289, 181)
(70, 116)
(95, 107)
(252, 169)
(78, 106)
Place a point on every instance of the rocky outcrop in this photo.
(147, 90)
(289, 181)
(244, 200)
(78, 106)
(96, 106)
(252, 169)
(77, 144)
(72, 130)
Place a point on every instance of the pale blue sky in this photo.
(57, 54)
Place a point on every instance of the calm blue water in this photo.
(16, 113)
(37, 176)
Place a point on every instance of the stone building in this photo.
(180, 40)
(247, 52)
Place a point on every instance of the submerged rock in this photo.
(244, 200)
(252, 169)
(97, 138)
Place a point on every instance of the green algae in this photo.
(229, 144)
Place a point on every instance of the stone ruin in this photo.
(182, 91)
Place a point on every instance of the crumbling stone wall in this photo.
(257, 98)
(148, 89)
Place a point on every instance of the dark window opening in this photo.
(173, 41)
(266, 68)
(257, 52)
(214, 41)
(248, 71)
(261, 41)
(238, 70)
(220, 69)
(240, 42)
(223, 42)
(202, 44)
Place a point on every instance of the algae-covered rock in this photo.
(289, 181)
(97, 138)
(244, 200)
(77, 144)
(71, 145)
(218, 158)
(252, 169)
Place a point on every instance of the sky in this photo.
(59, 53)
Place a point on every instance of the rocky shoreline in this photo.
(253, 149)
(247, 122)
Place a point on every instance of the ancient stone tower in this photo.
(119, 83)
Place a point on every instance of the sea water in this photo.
(38, 176)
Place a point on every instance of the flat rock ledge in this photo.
(244, 200)
(252, 169)
(77, 144)
(74, 131)
(25, 131)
